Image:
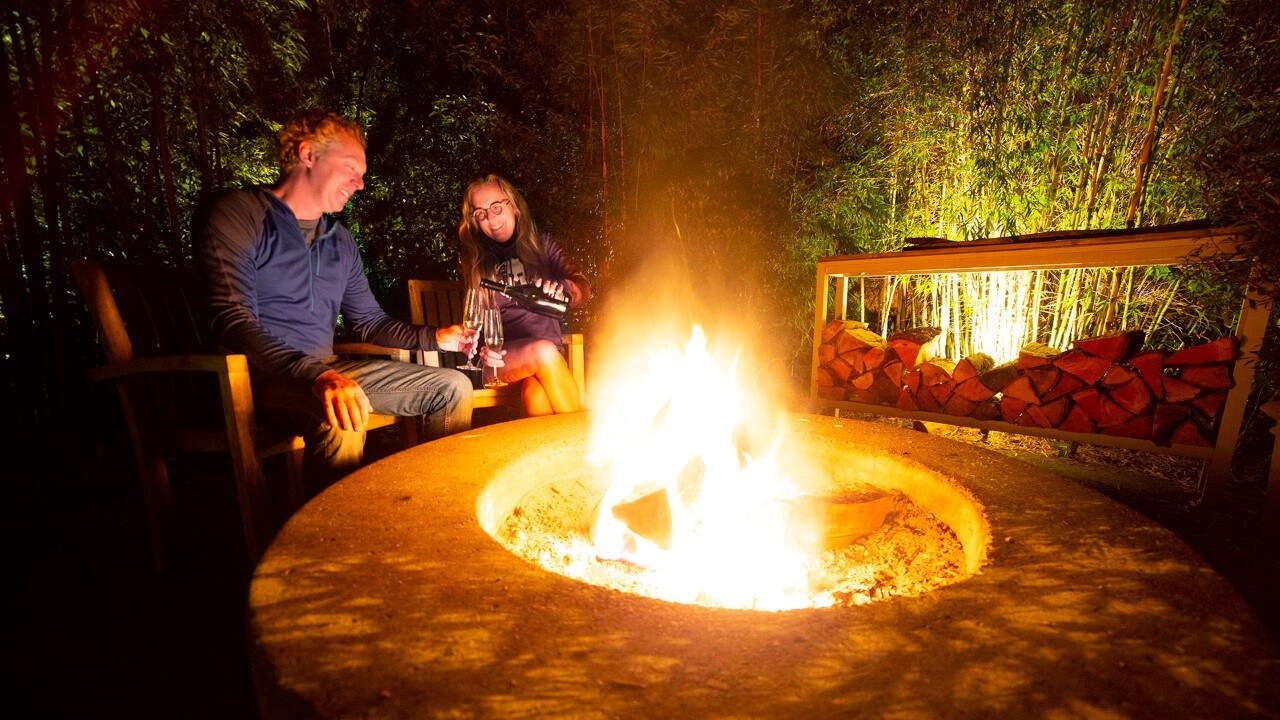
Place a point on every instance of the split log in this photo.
(861, 395)
(906, 401)
(1088, 368)
(1090, 399)
(855, 359)
(863, 381)
(1118, 375)
(936, 371)
(941, 392)
(830, 330)
(824, 378)
(1222, 350)
(1176, 390)
(927, 402)
(832, 523)
(826, 353)
(856, 339)
(1211, 403)
(831, 393)
(1137, 427)
(908, 343)
(1167, 417)
(893, 371)
(1207, 377)
(886, 390)
(997, 378)
(1035, 355)
(1134, 397)
(1023, 390)
(1043, 378)
(973, 389)
(1150, 365)
(1077, 420)
(1066, 385)
(1189, 432)
(973, 366)
(1050, 415)
(1111, 414)
(959, 405)
(988, 409)
(840, 369)
(911, 381)
(1011, 408)
(1113, 347)
(649, 517)
(875, 358)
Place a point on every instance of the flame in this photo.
(680, 423)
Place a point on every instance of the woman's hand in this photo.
(556, 290)
(492, 358)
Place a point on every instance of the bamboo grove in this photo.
(747, 138)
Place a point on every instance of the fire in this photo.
(706, 512)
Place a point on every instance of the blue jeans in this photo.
(441, 396)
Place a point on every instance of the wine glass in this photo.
(493, 340)
(473, 305)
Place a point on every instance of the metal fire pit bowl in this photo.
(385, 597)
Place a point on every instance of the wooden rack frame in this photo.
(1061, 251)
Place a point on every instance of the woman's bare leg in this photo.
(541, 359)
(535, 398)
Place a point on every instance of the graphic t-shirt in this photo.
(508, 270)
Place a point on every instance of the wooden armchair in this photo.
(179, 396)
(439, 303)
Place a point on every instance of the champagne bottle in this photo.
(530, 298)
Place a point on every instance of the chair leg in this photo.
(153, 474)
(409, 435)
(156, 493)
(293, 470)
(252, 497)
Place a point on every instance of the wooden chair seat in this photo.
(177, 396)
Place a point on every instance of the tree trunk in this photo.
(1148, 142)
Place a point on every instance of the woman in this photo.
(500, 241)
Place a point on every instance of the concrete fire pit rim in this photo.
(373, 599)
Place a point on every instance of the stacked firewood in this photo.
(1107, 384)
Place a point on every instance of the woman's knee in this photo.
(546, 353)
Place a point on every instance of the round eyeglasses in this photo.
(496, 209)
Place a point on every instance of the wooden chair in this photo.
(439, 303)
(178, 395)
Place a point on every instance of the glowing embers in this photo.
(692, 493)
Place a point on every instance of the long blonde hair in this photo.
(475, 262)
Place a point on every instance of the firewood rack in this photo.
(1170, 245)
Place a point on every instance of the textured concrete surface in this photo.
(384, 597)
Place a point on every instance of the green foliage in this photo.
(748, 139)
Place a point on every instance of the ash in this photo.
(911, 554)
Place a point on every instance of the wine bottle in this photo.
(530, 298)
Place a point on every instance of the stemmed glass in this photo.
(473, 305)
(493, 340)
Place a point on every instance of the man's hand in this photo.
(456, 338)
(344, 400)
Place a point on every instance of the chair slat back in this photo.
(151, 311)
(435, 302)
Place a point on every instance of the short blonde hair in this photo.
(319, 127)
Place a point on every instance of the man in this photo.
(279, 269)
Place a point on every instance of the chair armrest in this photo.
(364, 348)
(218, 364)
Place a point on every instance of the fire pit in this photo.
(386, 597)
